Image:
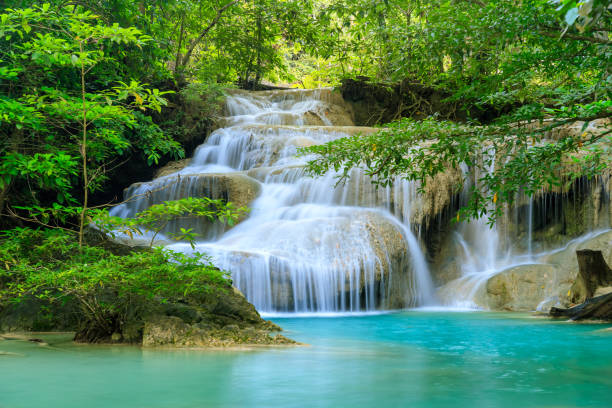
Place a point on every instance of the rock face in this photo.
(216, 319)
(172, 167)
(36, 315)
(337, 259)
(237, 188)
(221, 321)
(377, 103)
(593, 275)
(524, 288)
(541, 286)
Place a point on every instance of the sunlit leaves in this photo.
(155, 218)
(58, 81)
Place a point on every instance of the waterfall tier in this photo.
(307, 244)
(310, 245)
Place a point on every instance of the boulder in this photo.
(323, 257)
(172, 167)
(237, 188)
(174, 332)
(548, 283)
(524, 287)
(219, 319)
(593, 273)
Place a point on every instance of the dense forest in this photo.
(96, 95)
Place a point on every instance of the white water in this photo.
(486, 251)
(307, 245)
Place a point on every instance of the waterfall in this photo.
(544, 223)
(308, 245)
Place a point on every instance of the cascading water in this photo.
(484, 251)
(307, 245)
(310, 245)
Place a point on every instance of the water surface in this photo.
(408, 359)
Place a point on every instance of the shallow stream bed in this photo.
(408, 359)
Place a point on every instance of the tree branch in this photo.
(576, 37)
(204, 32)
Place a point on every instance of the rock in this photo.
(237, 188)
(219, 318)
(327, 254)
(132, 332)
(165, 330)
(378, 103)
(172, 331)
(603, 290)
(35, 315)
(593, 272)
(523, 288)
(538, 286)
(172, 167)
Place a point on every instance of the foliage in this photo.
(517, 70)
(58, 125)
(155, 218)
(107, 288)
(538, 68)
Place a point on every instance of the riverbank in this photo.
(113, 294)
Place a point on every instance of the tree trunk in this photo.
(594, 308)
(83, 154)
(593, 272)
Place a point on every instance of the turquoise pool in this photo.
(408, 359)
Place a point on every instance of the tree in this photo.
(52, 112)
(542, 68)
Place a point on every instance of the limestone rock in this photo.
(172, 331)
(172, 167)
(222, 319)
(524, 288)
(540, 286)
(237, 188)
(593, 273)
(339, 245)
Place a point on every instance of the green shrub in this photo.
(108, 290)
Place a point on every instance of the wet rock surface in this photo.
(592, 288)
(541, 286)
(172, 167)
(218, 318)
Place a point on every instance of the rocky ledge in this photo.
(215, 315)
(221, 321)
(593, 287)
(218, 319)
